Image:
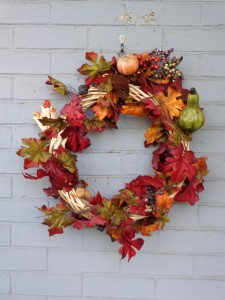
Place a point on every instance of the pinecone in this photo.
(82, 89)
(121, 86)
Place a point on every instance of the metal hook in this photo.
(122, 40)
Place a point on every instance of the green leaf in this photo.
(57, 218)
(68, 161)
(96, 67)
(58, 123)
(59, 87)
(35, 150)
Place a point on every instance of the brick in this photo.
(37, 235)
(194, 39)
(212, 110)
(204, 86)
(210, 266)
(211, 216)
(126, 287)
(93, 239)
(190, 65)
(34, 87)
(86, 13)
(36, 283)
(6, 132)
(186, 241)
(22, 297)
(24, 13)
(212, 65)
(26, 111)
(107, 186)
(6, 40)
(183, 215)
(205, 141)
(31, 189)
(6, 91)
(159, 264)
(19, 62)
(4, 283)
(121, 139)
(5, 186)
(186, 289)
(83, 261)
(21, 131)
(20, 210)
(166, 13)
(99, 163)
(213, 191)
(213, 14)
(100, 39)
(51, 37)
(5, 235)
(216, 165)
(15, 165)
(137, 163)
(66, 62)
(23, 259)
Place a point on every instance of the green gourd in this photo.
(191, 117)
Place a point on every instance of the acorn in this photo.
(191, 117)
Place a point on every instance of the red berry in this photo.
(47, 104)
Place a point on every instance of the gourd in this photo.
(127, 64)
(191, 117)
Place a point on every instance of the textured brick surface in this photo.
(183, 262)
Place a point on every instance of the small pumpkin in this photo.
(191, 118)
(128, 64)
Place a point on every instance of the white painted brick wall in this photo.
(184, 262)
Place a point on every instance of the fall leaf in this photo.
(54, 124)
(187, 194)
(97, 66)
(170, 105)
(67, 159)
(59, 87)
(82, 193)
(74, 113)
(59, 177)
(163, 201)
(145, 230)
(57, 218)
(154, 134)
(103, 109)
(36, 152)
(76, 140)
(95, 124)
(180, 164)
(136, 109)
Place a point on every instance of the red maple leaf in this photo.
(58, 176)
(128, 242)
(73, 112)
(189, 194)
(76, 140)
(180, 164)
(141, 183)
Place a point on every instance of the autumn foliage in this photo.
(143, 205)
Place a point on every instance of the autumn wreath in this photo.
(147, 84)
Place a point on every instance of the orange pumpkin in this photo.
(127, 64)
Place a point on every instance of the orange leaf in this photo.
(153, 133)
(170, 106)
(103, 109)
(163, 201)
(136, 109)
(145, 230)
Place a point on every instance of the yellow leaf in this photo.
(145, 230)
(153, 133)
(169, 105)
(136, 109)
(83, 193)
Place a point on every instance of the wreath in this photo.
(147, 84)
